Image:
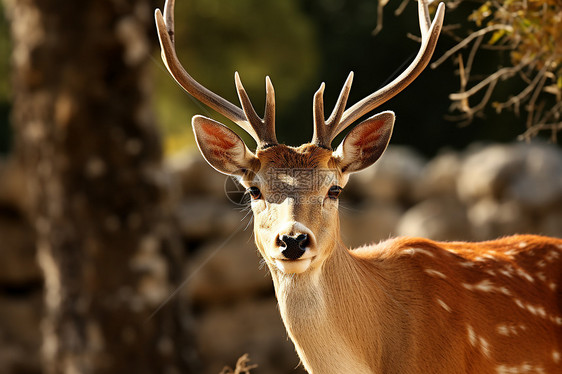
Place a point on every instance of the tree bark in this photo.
(87, 138)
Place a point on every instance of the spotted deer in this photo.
(405, 305)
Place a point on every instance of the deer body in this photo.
(415, 306)
(403, 306)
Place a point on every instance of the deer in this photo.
(403, 305)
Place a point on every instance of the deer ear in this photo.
(365, 143)
(222, 148)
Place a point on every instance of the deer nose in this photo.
(293, 247)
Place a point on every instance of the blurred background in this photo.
(122, 251)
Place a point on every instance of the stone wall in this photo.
(477, 194)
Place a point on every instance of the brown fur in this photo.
(412, 305)
(305, 156)
(403, 306)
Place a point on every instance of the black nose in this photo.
(294, 247)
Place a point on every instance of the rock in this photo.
(393, 177)
(249, 327)
(538, 184)
(551, 223)
(206, 217)
(192, 175)
(490, 219)
(487, 173)
(439, 177)
(368, 223)
(227, 271)
(439, 218)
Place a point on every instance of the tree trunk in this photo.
(87, 138)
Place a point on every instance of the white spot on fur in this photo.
(556, 357)
(505, 291)
(541, 276)
(467, 264)
(511, 252)
(519, 303)
(541, 264)
(510, 330)
(478, 342)
(508, 271)
(552, 286)
(538, 311)
(484, 286)
(471, 335)
(519, 369)
(503, 330)
(444, 306)
(551, 256)
(435, 273)
(522, 244)
(485, 347)
(413, 251)
(525, 275)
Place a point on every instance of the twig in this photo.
(502, 73)
(242, 366)
(401, 7)
(535, 129)
(467, 40)
(517, 99)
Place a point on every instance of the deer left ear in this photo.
(222, 148)
(365, 143)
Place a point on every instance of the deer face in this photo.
(294, 201)
(294, 191)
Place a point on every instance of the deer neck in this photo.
(326, 313)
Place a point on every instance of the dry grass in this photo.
(242, 366)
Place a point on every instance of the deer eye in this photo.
(334, 192)
(254, 192)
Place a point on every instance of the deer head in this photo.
(295, 190)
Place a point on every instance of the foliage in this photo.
(529, 32)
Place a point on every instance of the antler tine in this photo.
(324, 130)
(425, 19)
(430, 33)
(269, 116)
(169, 19)
(320, 128)
(263, 128)
(339, 109)
(165, 27)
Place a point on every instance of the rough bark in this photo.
(87, 138)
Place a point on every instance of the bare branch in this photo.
(502, 73)
(517, 99)
(467, 40)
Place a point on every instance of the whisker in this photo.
(190, 276)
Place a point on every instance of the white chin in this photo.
(293, 267)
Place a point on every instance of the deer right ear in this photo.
(222, 148)
(365, 143)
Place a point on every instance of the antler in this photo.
(262, 130)
(326, 130)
